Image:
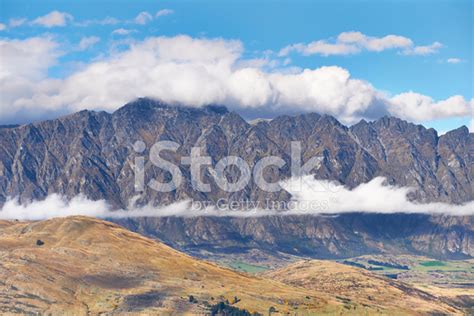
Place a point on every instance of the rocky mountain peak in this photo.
(145, 105)
(462, 131)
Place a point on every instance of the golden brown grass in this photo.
(91, 266)
(355, 286)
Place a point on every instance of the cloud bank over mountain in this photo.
(309, 196)
(198, 71)
(372, 197)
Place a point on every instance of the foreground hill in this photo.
(83, 265)
(351, 284)
(86, 265)
(452, 280)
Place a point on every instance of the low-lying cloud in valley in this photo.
(310, 196)
(372, 197)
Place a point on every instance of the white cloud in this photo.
(23, 68)
(29, 58)
(454, 60)
(355, 42)
(423, 50)
(16, 22)
(105, 21)
(312, 197)
(88, 42)
(122, 31)
(471, 124)
(58, 206)
(143, 18)
(196, 72)
(164, 12)
(325, 90)
(371, 197)
(418, 107)
(3, 27)
(320, 47)
(53, 206)
(54, 18)
(376, 44)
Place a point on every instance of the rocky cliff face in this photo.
(92, 153)
(342, 236)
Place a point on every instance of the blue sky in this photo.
(272, 25)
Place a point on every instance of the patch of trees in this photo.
(354, 264)
(388, 265)
(224, 309)
(192, 299)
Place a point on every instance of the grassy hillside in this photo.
(451, 280)
(83, 265)
(358, 288)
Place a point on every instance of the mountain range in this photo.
(91, 153)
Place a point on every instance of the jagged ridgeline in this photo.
(92, 152)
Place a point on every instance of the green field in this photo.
(422, 270)
(446, 266)
(433, 263)
(245, 267)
